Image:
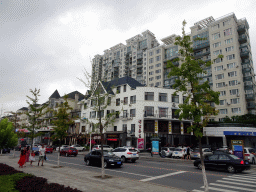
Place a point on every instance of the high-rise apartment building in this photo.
(144, 59)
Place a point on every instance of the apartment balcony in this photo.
(243, 38)
(139, 62)
(201, 46)
(201, 54)
(139, 56)
(249, 96)
(241, 29)
(157, 116)
(244, 45)
(170, 58)
(244, 53)
(250, 105)
(139, 71)
(249, 69)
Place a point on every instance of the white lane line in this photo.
(161, 176)
(237, 179)
(233, 183)
(195, 190)
(107, 169)
(241, 178)
(220, 189)
(232, 187)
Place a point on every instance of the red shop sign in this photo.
(112, 139)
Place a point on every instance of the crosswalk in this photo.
(233, 183)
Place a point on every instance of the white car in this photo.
(178, 153)
(132, 148)
(195, 154)
(249, 154)
(105, 147)
(61, 147)
(126, 154)
(78, 147)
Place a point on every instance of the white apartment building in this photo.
(144, 59)
(144, 111)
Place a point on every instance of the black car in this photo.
(6, 150)
(224, 161)
(94, 158)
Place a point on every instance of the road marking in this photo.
(218, 189)
(161, 176)
(106, 169)
(242, 178)
(230, 186)
(195, 190)
(237, 179)
(233, 183)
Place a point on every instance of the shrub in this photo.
(54, 187)
(8, 182)
(7, 170)
(31, 183)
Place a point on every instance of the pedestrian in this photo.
(22, 159)
(188, 153)
(32, 157)
(27, 154)
(41, 155)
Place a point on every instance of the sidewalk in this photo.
(85, 180)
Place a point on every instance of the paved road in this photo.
(179, 173)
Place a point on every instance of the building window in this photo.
(218, 52)
(227, 41)
(236, 110)
(150, 53)
(151, 79)
(233, 91)
(223, 111)
(232, 74)
(93, 114)
(158, 51)
(158, 65)
(229, 57)
(228, 49)
(158, 58)
(219, 76)
(222, 93)
(215, 45)
(149, 111)
(227, 32)
(124, 127)
(117, 102)
(222, 102)
(158, 71)
(117, 114)
(218, 60)
(222, 84)
(158, 77)
(216, 36)
(175, 98)
(133, 99)
(184, 99)
(218, 68)
(151, 73)
(109, 101)
(125, 100)
(235, 101)
(151, 60)
(215, 27)
(149, 96)
(233, 83)
(133, 128)
(225, 23)
(231, 65)
(125, 114)
(118, 89)
(124, 88)
(174, 115)
(151, 67)
(163, 112)
(115, 128)
(163, 97)
(132, 113)
(100, 114)
(158, 84)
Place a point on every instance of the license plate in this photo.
(195, 155)
(134, 154)
(246, 162)
(74, 151)
(176, 152)
(118, 162)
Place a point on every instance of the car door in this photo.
(211, 161)
(223, 161)
(117, 152)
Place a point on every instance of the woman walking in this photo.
(27, 154)
(22, 160)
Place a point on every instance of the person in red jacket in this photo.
(22, 160)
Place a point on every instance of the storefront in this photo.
(116, 139)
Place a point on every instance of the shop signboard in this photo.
(155, 147)
(140, 143)
(238, 148)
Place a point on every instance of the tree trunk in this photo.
(13, 152)
(206, 187)
(1, 151)
(59, 157)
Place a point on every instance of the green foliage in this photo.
(8, 138)
(63, 120)
(8, 182)
(199, 95)
(34, 114)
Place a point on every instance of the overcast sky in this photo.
(46, 44)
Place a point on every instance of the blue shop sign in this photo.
(239, 133)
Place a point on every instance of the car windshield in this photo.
(132, 150)
(171, 149)
(196, 150)
(234, 157)
(108, 153)
(251, 151)
(177, 149)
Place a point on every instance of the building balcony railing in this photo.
(242, 38)
(241, 28)
(244, 53)
(244, 45)
(201, 46)
(250, 105)
(201, 54)
(249, 96)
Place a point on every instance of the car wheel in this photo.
(66, 154)
(231, 169)
(133, 160)
(200, 166)
(253, 161)
(88, 162)
(105, 164)
(123, 159)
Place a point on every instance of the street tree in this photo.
(34, 114)
(100, 98)
(198, 103)
(61, 120)
(8, 138)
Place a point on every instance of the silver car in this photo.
(166, 151)
(195, 154)
(249, 154)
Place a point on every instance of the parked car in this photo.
(94, 158)
(67, 151)
(61, 147)
(133, 148)
(250, 154)
(17, 148)
(105, 147)
(178, 152)
(36, 150)
(126, 154)
(78, 147)
(195, 154)
(166, 151)
(228, 162)
(6, 150)
(48, 149)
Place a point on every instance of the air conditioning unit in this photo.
(228, 103)
(224, 68)
(130, 105)
(238, 82)
(122, 101)
(226, 85)
(238, 95)
(173, 104)
(237, 66)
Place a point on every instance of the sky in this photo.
(47, 44)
